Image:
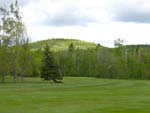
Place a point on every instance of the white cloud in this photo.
(65, 12)
(104, 34)
(100, 21)
(137, 11)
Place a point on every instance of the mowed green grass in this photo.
(76, 95)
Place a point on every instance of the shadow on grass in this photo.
(29, 82)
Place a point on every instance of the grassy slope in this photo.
(76, 95)
(62, 44)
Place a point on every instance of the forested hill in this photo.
(137, 46)
(62, 44)
(94, 60)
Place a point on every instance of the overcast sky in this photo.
(100, 21)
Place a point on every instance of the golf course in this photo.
(75, 95)
(74, 56)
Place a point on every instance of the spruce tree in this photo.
(49, 70)
(71, 47)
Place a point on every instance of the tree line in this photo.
(19, 60)
(122, 62)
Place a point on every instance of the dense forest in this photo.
(19, 58)
(122, 62)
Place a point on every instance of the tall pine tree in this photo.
(49, 70)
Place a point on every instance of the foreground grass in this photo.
(76, 95)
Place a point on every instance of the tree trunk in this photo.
(23, 73)
(22, 77)
(15, 76)
(3, 78)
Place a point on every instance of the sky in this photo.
(99, 21)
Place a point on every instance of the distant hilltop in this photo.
(62, 44)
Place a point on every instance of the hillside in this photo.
(62, 44)
(125, 62)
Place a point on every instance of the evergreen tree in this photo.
(71, 47)
(49, 70)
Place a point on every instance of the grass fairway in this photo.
(76, 95)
